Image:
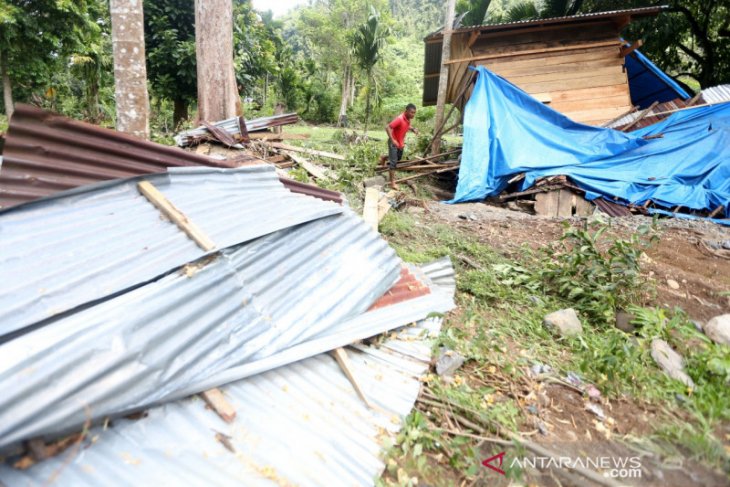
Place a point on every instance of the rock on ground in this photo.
(670, 361)
(565, 322)
(718, 329)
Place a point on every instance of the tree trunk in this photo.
(179, 112)
(130, 72)
(444, 76)
(367, 105)
(7, 88)
(352, 90)
(342, 117)
(217, 92)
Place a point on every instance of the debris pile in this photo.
(224, 304)
(512, 142)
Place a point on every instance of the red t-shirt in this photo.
(399, 126)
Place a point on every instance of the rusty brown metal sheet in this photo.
(221, 135)
(610, 208)
(45, 153)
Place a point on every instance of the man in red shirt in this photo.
(396, 131)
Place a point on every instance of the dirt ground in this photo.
(690, 254)
(685, 253)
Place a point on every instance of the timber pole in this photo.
(444, 76)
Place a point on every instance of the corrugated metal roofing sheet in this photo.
(232, 127)
(190, 330)
(46, 153)
(636, 12)
(65, 251)
(716, 94)
(302, 424)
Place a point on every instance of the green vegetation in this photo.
(498, 329)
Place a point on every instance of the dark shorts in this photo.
(394, 155)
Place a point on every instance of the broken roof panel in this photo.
(46, 153)
(71, 249)
(232, 127)
(183, 333)
(308, 408)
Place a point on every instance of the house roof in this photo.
(571, 19)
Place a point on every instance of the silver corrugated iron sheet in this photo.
(637, 12)
(301, 424)
(86, 244)
(231, 126)
(716, 94)
(182, 333)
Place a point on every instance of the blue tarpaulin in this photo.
(648, 83)
(507, 132)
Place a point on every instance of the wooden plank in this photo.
(370, 207)
(601, 113)
(580, 105)
(315, 170)
(330, 155)
(155, 197)
(383, 207)
(583, 207)
(543, 40)
(344, 362)
(563, 75)
(534, 51)
(574, 84)
(588, 93)
(537, 67)
(215, 399)
(565, 203)
(546, 204)
(560, 57)
(625, 51)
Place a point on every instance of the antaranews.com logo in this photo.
(613, 467)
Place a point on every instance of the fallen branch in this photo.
(450, 168)
(446, 404)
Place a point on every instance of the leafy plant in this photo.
(596, 274)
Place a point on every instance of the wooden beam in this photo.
(158, 199)
(444, 73)
(330, 155)
(472, 38)
(383, 207)
(641, 116)
(716, 211)
(370, 207)
(315, 170)
(485, 57)
(625, 51)
(344, 362)
(215, 399)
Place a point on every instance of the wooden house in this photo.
(575, 64)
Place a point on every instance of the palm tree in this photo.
(367, 44)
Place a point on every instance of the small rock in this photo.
(718, 329)
(542, 428)
(623, 321)
(565, 322)
(670, 361)
(534, 299)
(532, 409)
(572, 378)
(699, 326)
(468, 216)
(597, 410)
(538, 369)
(593, 393)
(645, 259)
(726, 244)
(672, 284)
(375, 181)
(448, 362)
